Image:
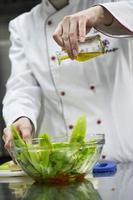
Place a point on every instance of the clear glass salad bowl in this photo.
(59, 162)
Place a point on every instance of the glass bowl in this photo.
(61, 162)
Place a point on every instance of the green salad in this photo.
(66, 161)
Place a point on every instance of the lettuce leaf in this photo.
(79, 131)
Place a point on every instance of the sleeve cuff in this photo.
(12, 118)
(122, 26)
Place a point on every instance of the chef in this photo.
(43, 96)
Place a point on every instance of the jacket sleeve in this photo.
(122, 12)
(23, 95)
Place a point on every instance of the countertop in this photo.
(115, 187)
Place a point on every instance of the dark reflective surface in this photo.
(117, 187)
(78, 191)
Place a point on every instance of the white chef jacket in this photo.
(53, 96)
(119, 186)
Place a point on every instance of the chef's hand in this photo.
(73, 28)
(24, 127)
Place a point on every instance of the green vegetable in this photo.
(79, 131)
(46, 148)
(18, 141)
(5, 166)
(24, 158)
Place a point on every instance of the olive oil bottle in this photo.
(91, 48)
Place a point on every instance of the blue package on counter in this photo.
(104, 168)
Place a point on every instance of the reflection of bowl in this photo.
(61, 162)
(77, 191)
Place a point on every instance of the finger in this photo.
(7, 137)
(65, 35)
(57, 35)
(82, 28)
(73, 37)
(26, 133)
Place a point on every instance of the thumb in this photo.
(26, 134)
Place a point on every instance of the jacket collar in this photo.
(47, 8)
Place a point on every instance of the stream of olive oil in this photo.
(81, 57)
